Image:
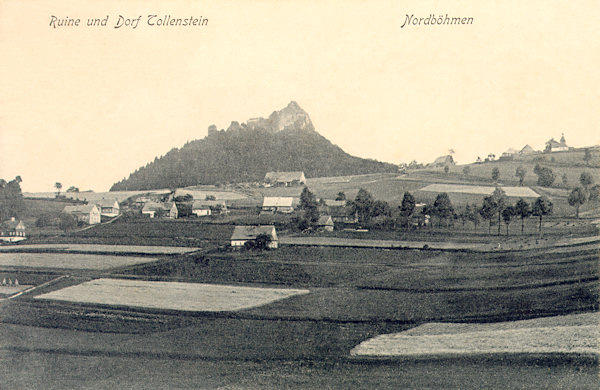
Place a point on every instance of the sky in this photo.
(87, 105)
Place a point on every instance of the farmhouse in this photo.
(12, 230)
(553, 146)
(527, 149)
(208, 207)
(325, 223)
(164, 209)
(88, 213)
(278, 204)
(108, 208)
(509, 154)
(285, 178)
(243, 234)
(441, 162)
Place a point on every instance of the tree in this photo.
(565, 180)
(11, 198)
(595, 192)
(442, 207)
(308, 203)
(500, 199)
(363, 205)
(58, 187)
(495, 174)
(66, 222)
(207, 197)
(542, 206)
(341, 196)
(507, 214)
(488, 210)
(262, 241)
(380, 207)
(73, 189)
(407, 208)
(446, 169)
(520, 173)
(523, 210)
(545, 175)
(466, 170)
(577, 198)
(586, 180)
(474, 216)
(587, 155)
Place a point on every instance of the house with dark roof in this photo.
(12, 230)
(285, 178)
(325, 223)
(87, 213)
(245, 233)
(160, 209)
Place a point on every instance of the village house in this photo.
(88, 213)
(553, 146)
(527, 149)
(508, 154)
(243, 234)
(441, 162)
(285, 179)
(163, 209)
(12, 230)
(208, 207)
(108, 207)
(325, 223)
(338, 211)
(278, 204)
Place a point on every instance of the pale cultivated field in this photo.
(518, 192)
(99, 248)
(170, 295)
(202, 194)
(578, 333)
(94, 196)
(9, 290)
(69, 261)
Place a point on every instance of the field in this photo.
(518, 192)
(305, 340)
(68, 261)
(169, 295)
(577, 333)
(98, 249)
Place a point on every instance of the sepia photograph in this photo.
(299, 194)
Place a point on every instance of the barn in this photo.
(245, 233)
(88, 213)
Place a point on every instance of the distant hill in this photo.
(285, 141)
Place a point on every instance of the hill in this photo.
(285, 141)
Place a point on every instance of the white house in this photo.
(108, 207)
(208, 207)
(243, 234)
(553, 146)
(164, 209)
(12, 230)
(285, 178)
(88, 213)
(278, 204)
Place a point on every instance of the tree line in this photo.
(494, 208)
